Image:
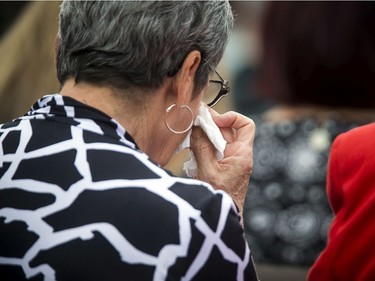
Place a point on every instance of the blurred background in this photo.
(27, 34)
(302, 70)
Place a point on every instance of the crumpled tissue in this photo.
(205, 121)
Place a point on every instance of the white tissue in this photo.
(205, 121)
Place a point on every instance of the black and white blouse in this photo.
(80, 201)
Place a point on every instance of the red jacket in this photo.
(350, 252)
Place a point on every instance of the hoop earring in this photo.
(169, 127)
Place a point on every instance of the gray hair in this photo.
(127, 44)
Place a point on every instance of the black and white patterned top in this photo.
(287, 214)
(80, 201)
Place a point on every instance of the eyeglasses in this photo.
(216, 90)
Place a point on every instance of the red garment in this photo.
(350, 252)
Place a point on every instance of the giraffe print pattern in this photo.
(80, 201)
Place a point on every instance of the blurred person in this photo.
(83, 192)
(350, 251)
(318, 63)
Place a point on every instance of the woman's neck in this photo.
(134, 116)
(143, 120)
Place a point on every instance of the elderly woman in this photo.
(83, 192)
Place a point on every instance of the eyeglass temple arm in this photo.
(217, 73)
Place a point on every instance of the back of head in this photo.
(320, 53)
(137, 44)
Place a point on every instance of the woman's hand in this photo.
(232, 173)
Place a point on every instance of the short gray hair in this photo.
(127, 44)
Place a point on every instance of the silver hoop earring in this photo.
(169, 127)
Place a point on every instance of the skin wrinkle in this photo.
(153, 136)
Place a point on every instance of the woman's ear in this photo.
(185, 77)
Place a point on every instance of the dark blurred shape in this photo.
(27, 65)
(9, 11)
(246, 99)
(320, 53)
(318, 64)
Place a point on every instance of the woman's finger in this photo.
(203, 149)
(244, 126)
